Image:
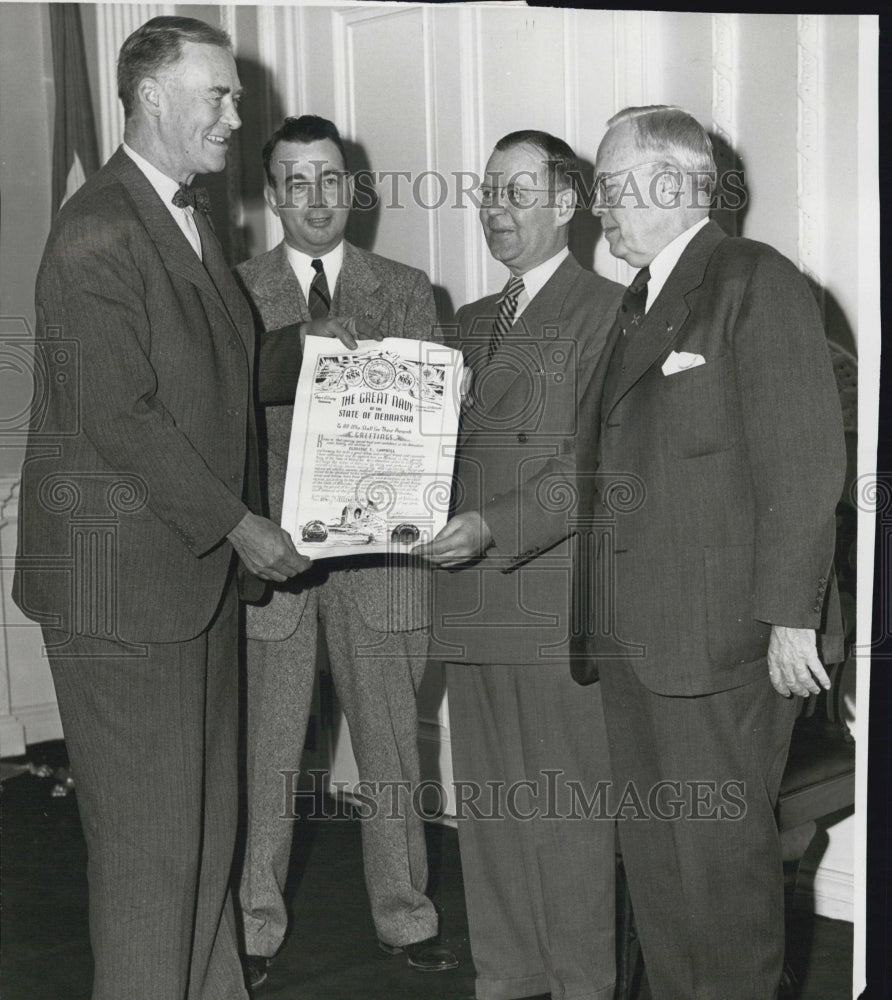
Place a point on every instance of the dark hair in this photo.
(563, 166)
(307, 128)
(157, 44)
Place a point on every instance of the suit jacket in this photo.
(523, 413)
(138, 460)
(713, 489)
(398, 302)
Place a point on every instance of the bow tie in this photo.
(192, 197)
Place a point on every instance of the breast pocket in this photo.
(700, 409)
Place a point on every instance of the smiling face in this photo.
(195, 101)
(526, 224)
(639, 204)
(312, 194)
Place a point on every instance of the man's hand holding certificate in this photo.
(372, 446)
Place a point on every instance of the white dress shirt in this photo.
(167, 187)
(535, 279)
(663, 264)
(302, 265)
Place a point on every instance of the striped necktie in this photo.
(505, 318)
(319, 297)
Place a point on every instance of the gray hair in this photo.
(156, 44)
(662, 131)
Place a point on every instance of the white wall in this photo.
(432, 88)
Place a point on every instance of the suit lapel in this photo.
(277, 285)
(355, 294)
(522, 341)
(665, 318)
(175, 250)
(527, 332)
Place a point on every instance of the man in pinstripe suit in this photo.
(137, 490)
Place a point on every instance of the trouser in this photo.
(376, 675)
(538, 867)
(152, 741)
(705, 873)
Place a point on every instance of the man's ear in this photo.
(565, 202)
(148, 94)
(669, 186)
(271, 198)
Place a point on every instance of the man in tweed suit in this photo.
(374, 617)
(136, 493)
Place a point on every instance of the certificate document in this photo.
(372, 446)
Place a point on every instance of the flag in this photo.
(75, 152)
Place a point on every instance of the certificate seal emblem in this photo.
(352, 375)
(405, 380)
(405, 534)
(379, 374)
(314, 531)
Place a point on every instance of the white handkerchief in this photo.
(681, 361)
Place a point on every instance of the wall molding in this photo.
(827, 893)
(725, 76)
(114, 22)
(810, 114)
(40, 722)
(12, 728)
(470, 60)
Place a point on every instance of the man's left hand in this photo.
(793, 664)
(462, 538)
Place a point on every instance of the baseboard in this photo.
(12, 736)
(41, 722)
(829, 893)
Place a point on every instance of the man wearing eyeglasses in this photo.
(538, 874)
(373, 616)
(714, 410)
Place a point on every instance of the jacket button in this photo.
(521, 438)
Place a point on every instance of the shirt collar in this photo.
(664, 263)
(166, 186)
(302, 265)
(537, 277)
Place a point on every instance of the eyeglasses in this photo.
(605, 190)
(517, 197)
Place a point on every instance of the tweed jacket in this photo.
(397, 301)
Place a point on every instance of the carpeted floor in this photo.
(330, 953)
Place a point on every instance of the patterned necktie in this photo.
(631, 310)
(628, 319)
(320, 297)
(192, 197)
(505, 317)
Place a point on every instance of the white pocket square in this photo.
(681, 361)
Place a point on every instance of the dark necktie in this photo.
(631, 310)
(319, 299)
(505, 317)
(192, 197)
(628, 320)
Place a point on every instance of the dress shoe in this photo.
(256, 968)
(425, 956)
